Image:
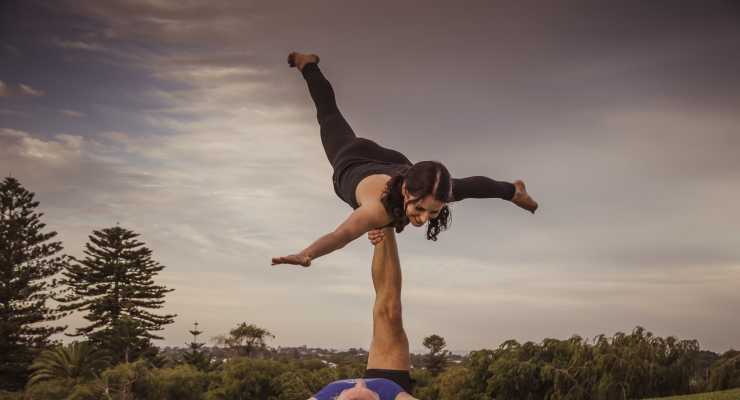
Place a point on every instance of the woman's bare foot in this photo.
(300, 60)
(522, 198)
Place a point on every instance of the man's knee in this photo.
(389, 312)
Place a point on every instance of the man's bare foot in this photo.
(522, 198)
(300, 60)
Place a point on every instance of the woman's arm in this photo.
(362, 220)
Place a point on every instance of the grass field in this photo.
(733, 394)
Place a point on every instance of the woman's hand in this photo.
(295, 259)
(375, 236)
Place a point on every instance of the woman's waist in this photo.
(361, 168)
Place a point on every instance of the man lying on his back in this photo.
(387, 374)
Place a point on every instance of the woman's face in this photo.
(421, 210)
(358, 392)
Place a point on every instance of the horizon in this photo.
(184, 123)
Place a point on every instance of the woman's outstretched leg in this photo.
(481, 187)
(335, 131)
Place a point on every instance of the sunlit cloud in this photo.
(27, 90)
(72, 113)
(79, 45)
(62, 149)
(20, 89)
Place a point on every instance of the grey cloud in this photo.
(14, 113)
(11, 51)
(168, 22)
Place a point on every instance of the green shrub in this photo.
(88, 391)
(316, 379)
(291, 386)
(424, 387)
(247, 378)
(250, 378)
(4, 395)
(130, 381)
(725, 372)
(183, 382)
(53, 389)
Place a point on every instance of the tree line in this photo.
(113, 286)
(624, 366)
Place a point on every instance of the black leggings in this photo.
(335, 131)
(340, 142)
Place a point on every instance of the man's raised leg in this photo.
(390, 347)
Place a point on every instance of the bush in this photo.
(247, 378)
(4, 395)
(250, 378)
(291, 386)
(315, 380)
(89, 391)
(54, 389)
(424, 387)
(725, 372)
(453, 384)
(182, 382)
(130, 381)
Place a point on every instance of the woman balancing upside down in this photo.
(383, 187)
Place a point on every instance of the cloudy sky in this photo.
(182, 121)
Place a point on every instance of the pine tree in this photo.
(29, 260)
(114, 285)
(197, 357)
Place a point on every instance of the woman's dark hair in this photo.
(422, 179)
